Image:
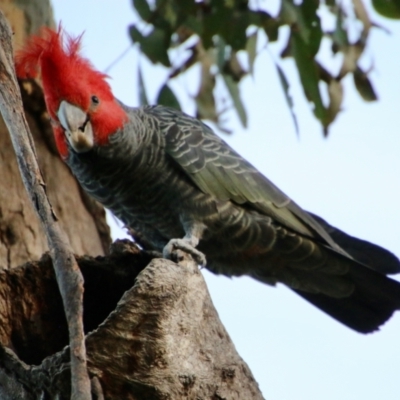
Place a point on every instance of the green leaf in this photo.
(221, 52)
(364, 85)
(216, 22)
(304, 20)
(271, 28)
(210, 29)
(194, 24)
(169, 13)
(135, 34)
(142, 90)
(264, 20)
(235, 95)
(289, 100)
(205, 100)
(187, 6)
(251, 48)
(312, 25)
(154, 46)
(143, 9)
(166, 97)
(308, 75)
(339, 35)
(287, 51)
(387, 8)
(236, 30)
(288, 13)
(228, 22)
(233, 68)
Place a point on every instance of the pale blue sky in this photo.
(351, 179)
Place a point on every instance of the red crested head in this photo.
(70, 79)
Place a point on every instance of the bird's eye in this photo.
(95, 100)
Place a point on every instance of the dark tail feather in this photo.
(367, 253)
(372, 303)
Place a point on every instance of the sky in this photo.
(351, 179)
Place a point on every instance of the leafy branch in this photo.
(216, 33)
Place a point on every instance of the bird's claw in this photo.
(170, 251)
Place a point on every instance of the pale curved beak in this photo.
(77, 126)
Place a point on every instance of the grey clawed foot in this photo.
(170, 251)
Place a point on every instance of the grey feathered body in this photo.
(166, 174)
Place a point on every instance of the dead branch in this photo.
(68, 275)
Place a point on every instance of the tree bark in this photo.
(161, 339)
(21, 235)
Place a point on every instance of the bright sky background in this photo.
(351, 179)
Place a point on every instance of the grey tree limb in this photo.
(67, 272)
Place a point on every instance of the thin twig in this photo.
(69, 277)
(119, 58)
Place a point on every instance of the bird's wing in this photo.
(218, 170)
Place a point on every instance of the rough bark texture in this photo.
(21, 236)
(26, 17)
(68, 275)
(163, 340)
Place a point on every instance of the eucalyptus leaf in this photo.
(285, 86)
(143, 9)
(251, 48)
(387, 8)
(194, 24)
(271, 27)
(236, 32)
(154, 45)
(364, 85)
(213, 32)
(221, 51)
(143, 101)
(309, 77)
(339, 35)
(235, 95)
(166, 97)
(135, 34)
(312, 24)
(288, 13)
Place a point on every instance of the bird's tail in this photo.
(373, 301)
(352, 288)
(367, 253)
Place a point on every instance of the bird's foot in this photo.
(154, 253)
(171, 251)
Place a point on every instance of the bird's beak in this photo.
(78, 128)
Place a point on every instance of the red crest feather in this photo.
(66, 75)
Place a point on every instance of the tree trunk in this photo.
(152, 331)
(21, 235)
(161, 339)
